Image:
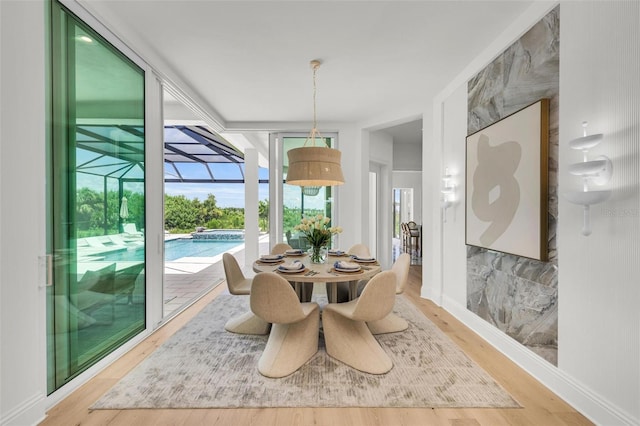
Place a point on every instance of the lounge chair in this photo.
(126, 241)
(96, 246)
(131, 230)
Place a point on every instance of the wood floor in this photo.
(541, 407)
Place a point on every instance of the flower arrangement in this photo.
(317, 230)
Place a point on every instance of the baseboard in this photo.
(66, 390)
(589, 403)
(30, 412)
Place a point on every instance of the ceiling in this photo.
(247, 62)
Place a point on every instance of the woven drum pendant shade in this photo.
(314, 166)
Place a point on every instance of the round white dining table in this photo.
(321, 273)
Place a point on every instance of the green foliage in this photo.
(194, 213)
(181, 214)
(90, 218)
(292, 217)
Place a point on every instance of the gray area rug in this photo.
(204, 366)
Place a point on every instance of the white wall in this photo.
(407, 156)
(454, 267)
(599, 275)
(599, 320)
(22, 205)
(381, 154)
(351, 198)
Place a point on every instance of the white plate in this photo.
(357, 259)
(291, 271)
(269, 260)
(294, 253)
(336, 253)
(346, 270)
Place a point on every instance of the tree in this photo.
(179, 213)
(263, 215)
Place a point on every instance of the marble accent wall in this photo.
(516, 294)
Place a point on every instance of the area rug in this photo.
(204, 366)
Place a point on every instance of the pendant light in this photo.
(311, 165)
(310, 191)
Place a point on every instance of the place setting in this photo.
(295, 267)
(270, 259)
(295, 252)
(364, 259)
(337, 253)
(346, 267)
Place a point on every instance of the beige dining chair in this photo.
(359, 250)
(393, 323)
(307, 288)
(346, 335)
(239, 285)
(280, 248)
(294, 334)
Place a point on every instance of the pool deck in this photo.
(190, 277)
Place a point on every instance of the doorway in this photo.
(402, 209)
(96, 198)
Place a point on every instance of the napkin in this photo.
(296, 264)
(336, 252)
(294, 251)
(346, 265)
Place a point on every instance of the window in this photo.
(296, 204)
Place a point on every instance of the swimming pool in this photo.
(220, 235)
(175, 249)
(182, 247)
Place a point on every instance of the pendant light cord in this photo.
(315, 64)
(315, 68)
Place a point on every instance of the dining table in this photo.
(321, 273)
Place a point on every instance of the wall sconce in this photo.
(448, 192)
(597, 172)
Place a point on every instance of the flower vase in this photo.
(318, 254)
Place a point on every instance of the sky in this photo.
(232, 195)
(227, 195)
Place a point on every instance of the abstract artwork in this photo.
(507, 184)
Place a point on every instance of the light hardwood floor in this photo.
(540, 406)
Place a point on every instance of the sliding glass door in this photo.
(96, 199)
(298, 202)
